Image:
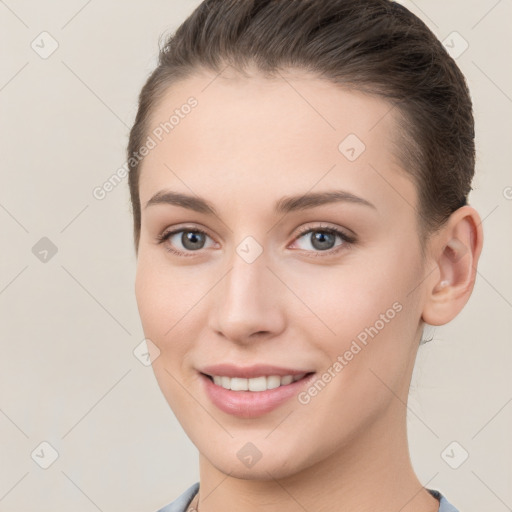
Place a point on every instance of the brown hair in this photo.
(374, 46)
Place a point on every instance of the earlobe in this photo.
(459, 245)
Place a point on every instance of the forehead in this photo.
(291, 132)
(289, 105)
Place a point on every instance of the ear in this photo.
(455, 253)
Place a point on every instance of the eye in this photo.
(322, 239)
(191, 240)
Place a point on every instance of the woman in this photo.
(299, 174)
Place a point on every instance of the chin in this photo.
(271, 464)
(261, 471)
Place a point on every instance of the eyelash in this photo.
(347, 239)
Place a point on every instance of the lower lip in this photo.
(250, 404)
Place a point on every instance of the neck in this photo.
(370, 472)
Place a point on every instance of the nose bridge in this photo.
(243, 282)
(247, 295)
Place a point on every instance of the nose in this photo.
(249, 302)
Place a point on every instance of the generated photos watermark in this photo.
(368, 333)
(151, 142)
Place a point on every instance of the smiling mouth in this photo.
(255, 384)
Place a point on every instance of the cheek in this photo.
(151, 292)
(365, 310)
(171, 307)
(343, 301)
(369, 353)
(165, 300)
(165, 296)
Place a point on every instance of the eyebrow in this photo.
(284, 205)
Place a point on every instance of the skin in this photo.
(249, 142)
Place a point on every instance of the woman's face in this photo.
(268, 284)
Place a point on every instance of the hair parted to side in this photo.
(373, 46)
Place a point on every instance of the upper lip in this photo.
(248, 372)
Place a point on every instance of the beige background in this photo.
(68, 375)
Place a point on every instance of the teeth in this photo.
(256, 383)
(273, 382)
(237, 384)
(287, 379)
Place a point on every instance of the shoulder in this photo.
(444, 504)
(181, 503)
